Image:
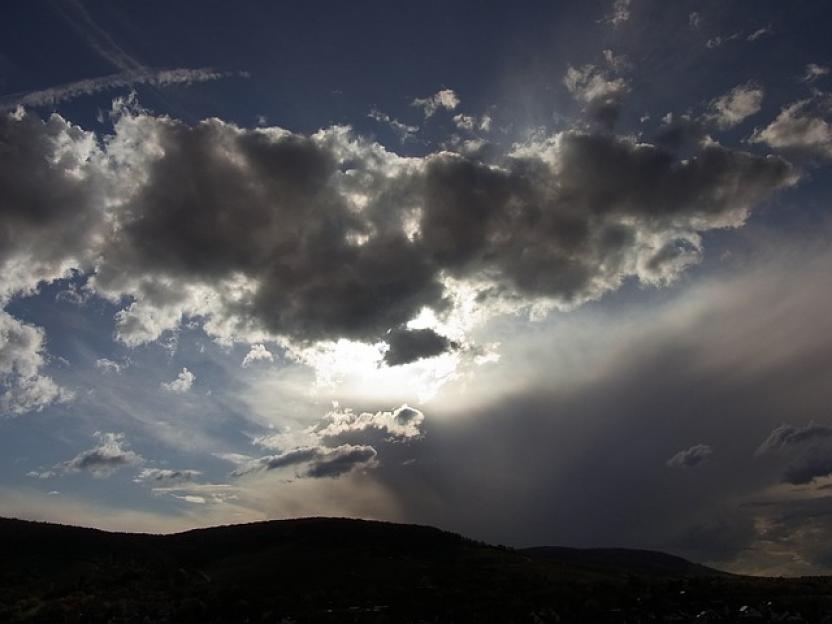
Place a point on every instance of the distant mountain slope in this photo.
(622, 560)
(338, 570)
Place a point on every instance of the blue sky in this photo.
(509, 270)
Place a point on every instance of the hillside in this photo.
(338, 570)
(622, 560)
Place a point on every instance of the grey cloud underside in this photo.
(680, 131)
(95, 459)
(166, 475)
(110, 455)
(816, 463)
(315, 462)
(807, 449)
(330, 236)
(409, 345)
(339, 443)
(690, 458)
(785, 437)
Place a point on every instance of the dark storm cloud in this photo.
(816, 463)
(808, 449)
(585, 439)
(315, 462)
(696, 455)
(409, 345)
(49, 199)
(603, 209)
(679, 131)
(786, 437)
(330, 236)
(268, 206)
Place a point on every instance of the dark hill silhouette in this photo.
(622, 560)
(340, 570)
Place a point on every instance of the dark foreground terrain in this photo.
(333, 570)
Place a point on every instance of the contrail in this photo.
(97, 38)
(153, 77)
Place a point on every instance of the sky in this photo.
(541, 273)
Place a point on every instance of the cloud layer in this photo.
(266, 234)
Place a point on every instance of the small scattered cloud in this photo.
(692, 457)
(403, 130)
(800, 128)
(472, 123)
(735, 106)
(694, 20)
(617, 62)
(183, 382)
(111, 454)
(719, 40)
(74, 294)
(42, 474)
(760, 33)
(257, 353)
(186, 490)
(110, 366)
(465, 122)
(619, 14)
(814, 71)
(444, 99)
(402, 423)
(601, 93)
(590, 84)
